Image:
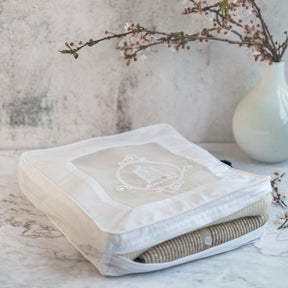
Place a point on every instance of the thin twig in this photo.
(283, 224)
(266, 31)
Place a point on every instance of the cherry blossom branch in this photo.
(91, 43)
(278, 198)
(226, 17)
(268, 36)
(180, 39)
(284, 218)
(212, 10)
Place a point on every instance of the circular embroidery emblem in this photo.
(136, 172)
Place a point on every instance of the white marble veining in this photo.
(34, 254)
(48, 99)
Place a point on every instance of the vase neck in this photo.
(274, 73)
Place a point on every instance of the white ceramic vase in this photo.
(260, 122)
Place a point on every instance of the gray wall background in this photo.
(49, 99)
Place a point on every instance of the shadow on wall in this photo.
(33, 111)
(123, 118)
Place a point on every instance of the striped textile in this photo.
(258, 208)
(200, 240)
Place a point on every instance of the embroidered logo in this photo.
(136, 172)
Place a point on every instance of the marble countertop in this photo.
(34, 253)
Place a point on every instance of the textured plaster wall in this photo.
(49, 99)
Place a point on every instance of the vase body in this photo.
(260, 122)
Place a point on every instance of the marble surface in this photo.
(34, 254)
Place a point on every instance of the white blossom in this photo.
(127, 26)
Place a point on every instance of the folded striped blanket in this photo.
(194, 241)
(197, 241)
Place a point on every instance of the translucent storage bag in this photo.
(118, 197)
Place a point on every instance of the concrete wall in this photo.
(49, 99)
